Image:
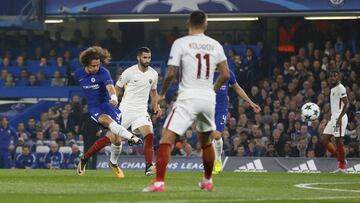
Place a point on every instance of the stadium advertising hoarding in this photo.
(115, 7)
(242, 164)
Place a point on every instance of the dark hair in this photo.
(334, 71)
(197, 18)
(143, 50)
(94, 53)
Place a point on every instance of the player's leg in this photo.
(341, 153)
(179, 119)
(117, 129)
(339, 137)
(218, 147)
(148, 134)
(208, 160)
(143, 125)
(96, 147)
(163, 158)
(205, 125)
(220, 120)
(326, 136)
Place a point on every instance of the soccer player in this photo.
(221, 111)
(196, 57)
(139, 81)
(338, 121)
(102, 102)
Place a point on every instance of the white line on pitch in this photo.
(311, 186)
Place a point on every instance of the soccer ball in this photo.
(310, 111)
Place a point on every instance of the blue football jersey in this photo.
(94, 85)
(222, 94)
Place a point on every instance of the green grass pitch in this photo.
(52, 186)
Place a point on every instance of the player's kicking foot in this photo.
(134, 141)
(207, 186)
(217, 166)
(155, 188)
(81, 167)
(117, 170)
(150, 169)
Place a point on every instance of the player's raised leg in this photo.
(97, 146)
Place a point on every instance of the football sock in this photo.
(331, 148)
(115, 152)
(218, 145)
(149, 148)
(120, 131)
(97, 146)
(163, 158)
(208, 160)
(341, 154)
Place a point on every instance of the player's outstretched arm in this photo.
(224, 75)
(112, 93)
(241, 93)
(169, 78)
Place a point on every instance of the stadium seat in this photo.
(42, 149)
(18, 150)
(65, 149)
(22, 83)
(81, 148)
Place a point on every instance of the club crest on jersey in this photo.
(336, 3)
(92, 79)
(150, 81)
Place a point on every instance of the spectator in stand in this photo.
(74, 157)
(31, 127)
(9, 81)
(26, 159)
(43, 62)
(33, 81)
(20, 62)
(67, 123)
(8, 141)
(54, 159)
(58, 81)
(5, 62)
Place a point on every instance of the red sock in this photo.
(163, 158)
(149, 148)
(341, 154)
(331, 148)
(208, 160)
(97, 146)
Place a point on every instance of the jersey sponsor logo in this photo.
(92, 80)
(307, 167)
(253, 166)
(336, 3)
(95, 86)
(150, 81)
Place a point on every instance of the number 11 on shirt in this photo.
(207, 60)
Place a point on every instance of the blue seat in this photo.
(22, 83)
(49, 71)
(33, 69)
(45, 83)
(15, 71)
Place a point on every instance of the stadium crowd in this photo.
(277, 131)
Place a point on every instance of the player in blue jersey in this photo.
(221, 111)
(102, 102)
